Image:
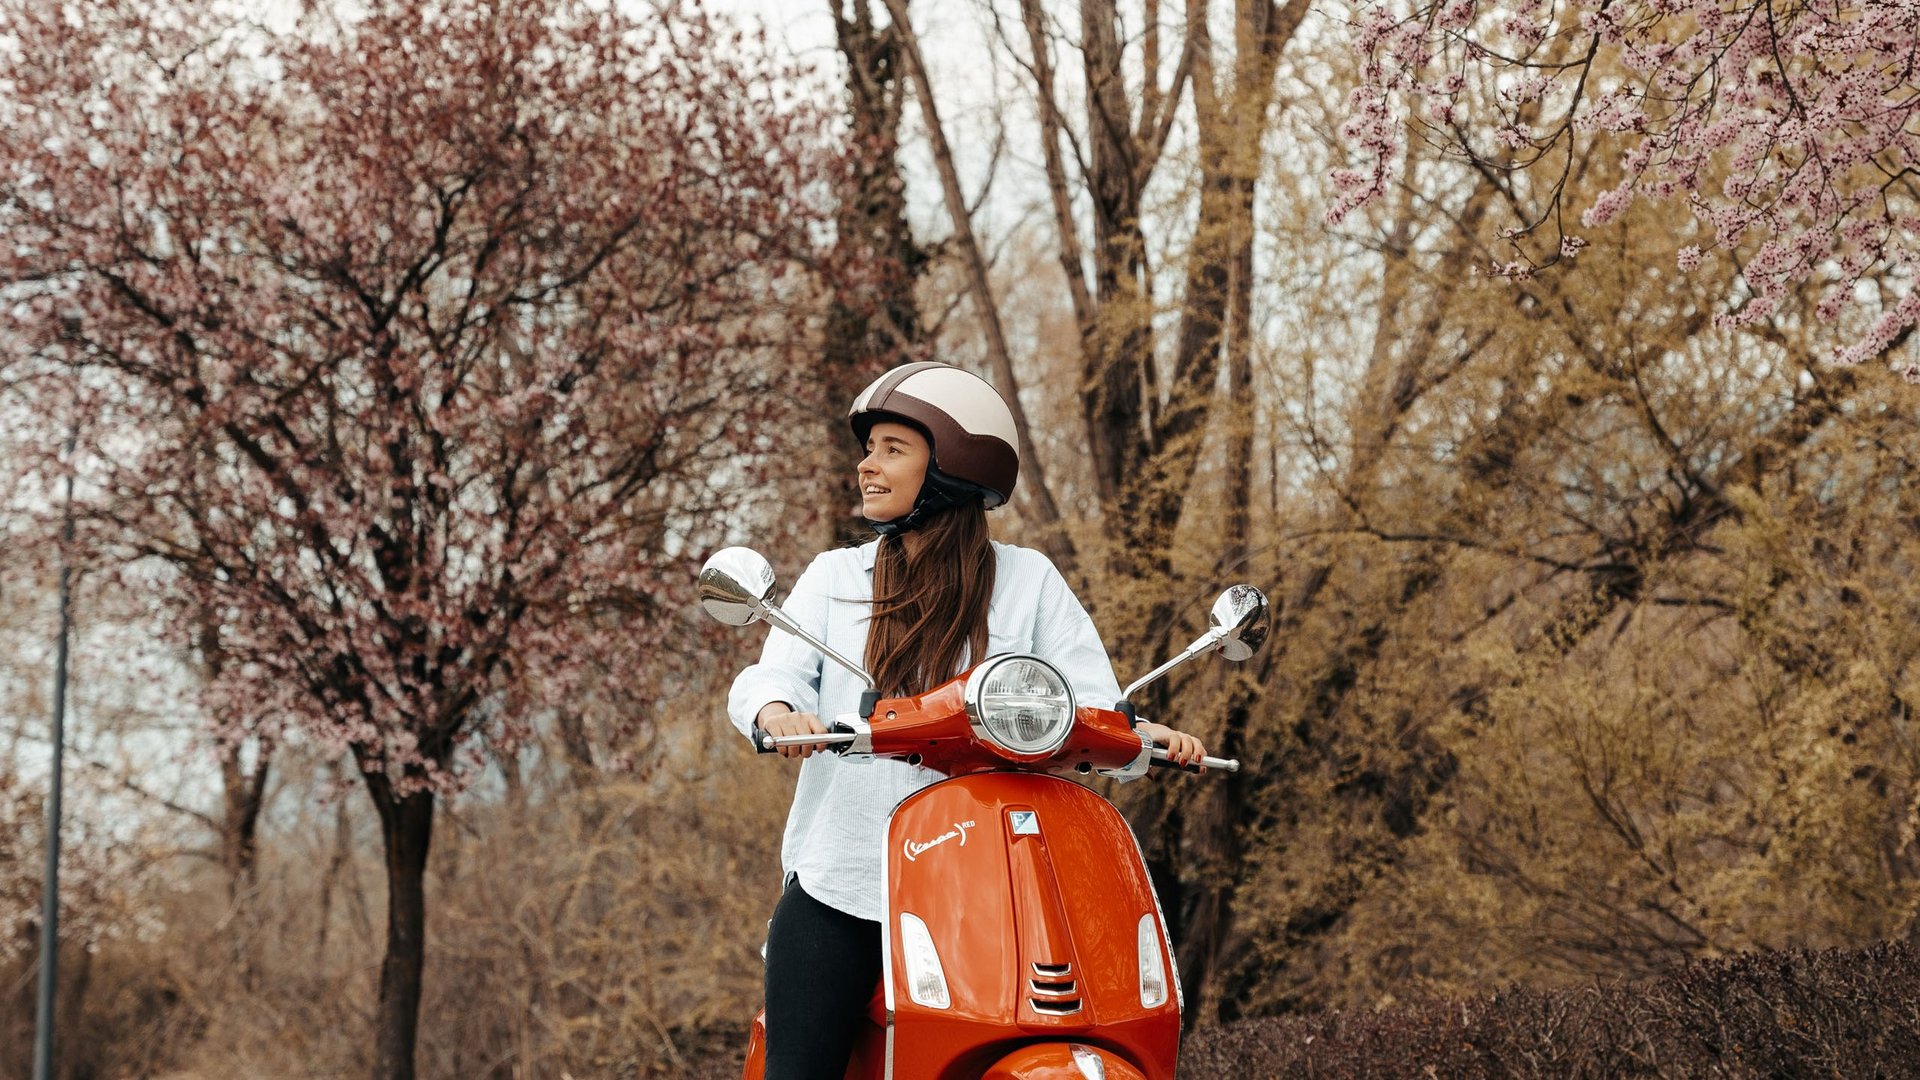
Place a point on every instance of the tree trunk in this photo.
(406, 827)
(1117, 371)
(1044, 511)
(243, 786)
(330, 878)
(1052, 129)
(243, 789)
(1110, 283)
(1202, 823)
(1221, 810)
(861, 339)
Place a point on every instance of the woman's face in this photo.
(891, 473)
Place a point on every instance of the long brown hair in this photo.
(931, 588)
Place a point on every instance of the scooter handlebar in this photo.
(1162, 761)
(764, 743)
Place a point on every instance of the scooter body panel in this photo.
(1032, 892)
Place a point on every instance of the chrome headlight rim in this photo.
(976, 716)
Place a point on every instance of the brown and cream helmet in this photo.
(968, 422)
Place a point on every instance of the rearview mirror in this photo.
(1236, 626)
(1240, 618)
(736, 585)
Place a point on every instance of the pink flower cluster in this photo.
(1792, 128)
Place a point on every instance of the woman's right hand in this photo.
(777, 719)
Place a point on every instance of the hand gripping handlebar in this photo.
(1162, 761)
(766, 744)
(845, 734)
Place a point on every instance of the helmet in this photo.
(968, 424)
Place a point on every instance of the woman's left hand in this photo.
(1181, 747)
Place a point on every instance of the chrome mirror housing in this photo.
(1239, 617)
(736, 585)
(1236, 627)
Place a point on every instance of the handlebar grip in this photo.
(1162, 761)
(764, 743)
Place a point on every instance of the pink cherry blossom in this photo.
(1807, 114)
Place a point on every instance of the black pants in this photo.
(822, 966)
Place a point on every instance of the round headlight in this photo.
(1021, 705)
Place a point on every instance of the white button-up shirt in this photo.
(836, 831)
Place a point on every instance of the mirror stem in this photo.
(1202, 645)
(780, 619)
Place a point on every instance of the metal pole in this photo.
(50, 888)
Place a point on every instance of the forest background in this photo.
(1473, 334)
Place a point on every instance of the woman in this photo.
(923, 602)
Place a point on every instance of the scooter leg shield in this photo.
(1062, 1061)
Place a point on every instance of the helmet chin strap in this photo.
(938, 494)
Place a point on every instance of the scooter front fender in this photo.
(1062, 1061)
(1027, 893)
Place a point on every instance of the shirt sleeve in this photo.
(1064, 636)
(789, 668)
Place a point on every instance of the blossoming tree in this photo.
(1791, 131)
(416, 342)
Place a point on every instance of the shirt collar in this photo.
(869, 551)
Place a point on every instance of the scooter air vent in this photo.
(1055, 991)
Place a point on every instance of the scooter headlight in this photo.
(1021, 705)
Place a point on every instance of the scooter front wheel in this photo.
(1062, 1061)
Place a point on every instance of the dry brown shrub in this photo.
(609, 929)
(602, 933)
(1837, 1013)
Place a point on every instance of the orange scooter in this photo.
(1022, 935)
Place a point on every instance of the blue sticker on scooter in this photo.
(1024, 822)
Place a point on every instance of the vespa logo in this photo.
(914, 848)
